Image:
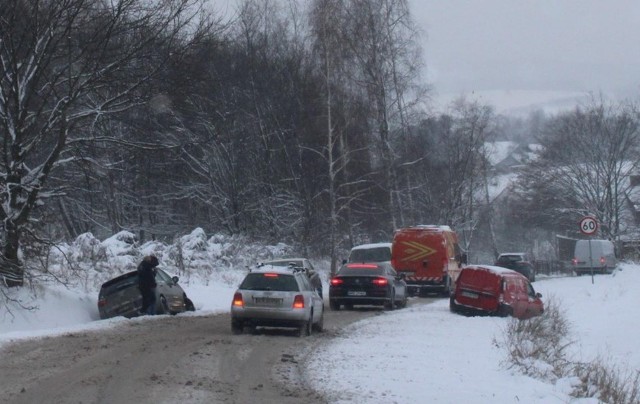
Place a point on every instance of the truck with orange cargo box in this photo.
(429, 257)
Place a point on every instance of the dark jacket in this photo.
(147, 273)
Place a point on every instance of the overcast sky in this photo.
(542, 47)
(527, 53)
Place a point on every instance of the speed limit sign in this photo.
(588, 225)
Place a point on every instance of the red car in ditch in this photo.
(492, 290)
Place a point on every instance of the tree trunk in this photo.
(12, 270)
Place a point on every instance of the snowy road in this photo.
(186, 358)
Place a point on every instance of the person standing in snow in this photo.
(147, 284)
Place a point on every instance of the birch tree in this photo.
(381, 37)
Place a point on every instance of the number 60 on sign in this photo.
(588, 225)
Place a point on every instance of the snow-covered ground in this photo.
(420, 354)
(427, 354)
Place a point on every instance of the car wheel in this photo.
(319, 326)
(188, 304)
(447, 288)
(404, 301)
(391, 304)
(164, 307)
(505, 310)
(236, 327)
(334, 305)
(453, 306)
(304, 330)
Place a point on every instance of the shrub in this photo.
(608, 383)
(538, 346)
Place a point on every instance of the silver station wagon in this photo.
(277, 297)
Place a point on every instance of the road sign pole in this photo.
(591, 260)
(589, 226)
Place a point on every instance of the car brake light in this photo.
(574, 261)
(102, 302)
(270, 275)
(237, 300)
(362, 266)
(336, 281)
(380, 281)
(298, 302)
(602, 260)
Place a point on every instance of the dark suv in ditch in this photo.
(120, 296)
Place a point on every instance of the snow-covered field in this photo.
(427, 354)
(420, 354)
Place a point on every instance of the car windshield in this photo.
(376, 254)
(361, 270)
(270, 281)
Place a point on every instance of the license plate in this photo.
(356, 293)
(470, 295)
(268, 301)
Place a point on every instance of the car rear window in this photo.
(119, 283)
(270, 281)
(510, 258)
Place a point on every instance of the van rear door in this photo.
(478, 288)
(419, 254)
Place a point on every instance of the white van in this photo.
(598, 255)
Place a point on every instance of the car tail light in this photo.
(380, 281)
(237, 300)
(102, 302)
(362, 266)
(298, 302)
(574, 261)
(336, 282)
(270, 275)
(602, 260)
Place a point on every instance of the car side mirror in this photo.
(344, 262)
(175, 279)
(538, 295)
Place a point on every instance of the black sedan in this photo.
(374, 283)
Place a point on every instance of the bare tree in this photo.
(66, 64)
(584, 167)
(381, 38)
(452, 166)
(328, 45)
